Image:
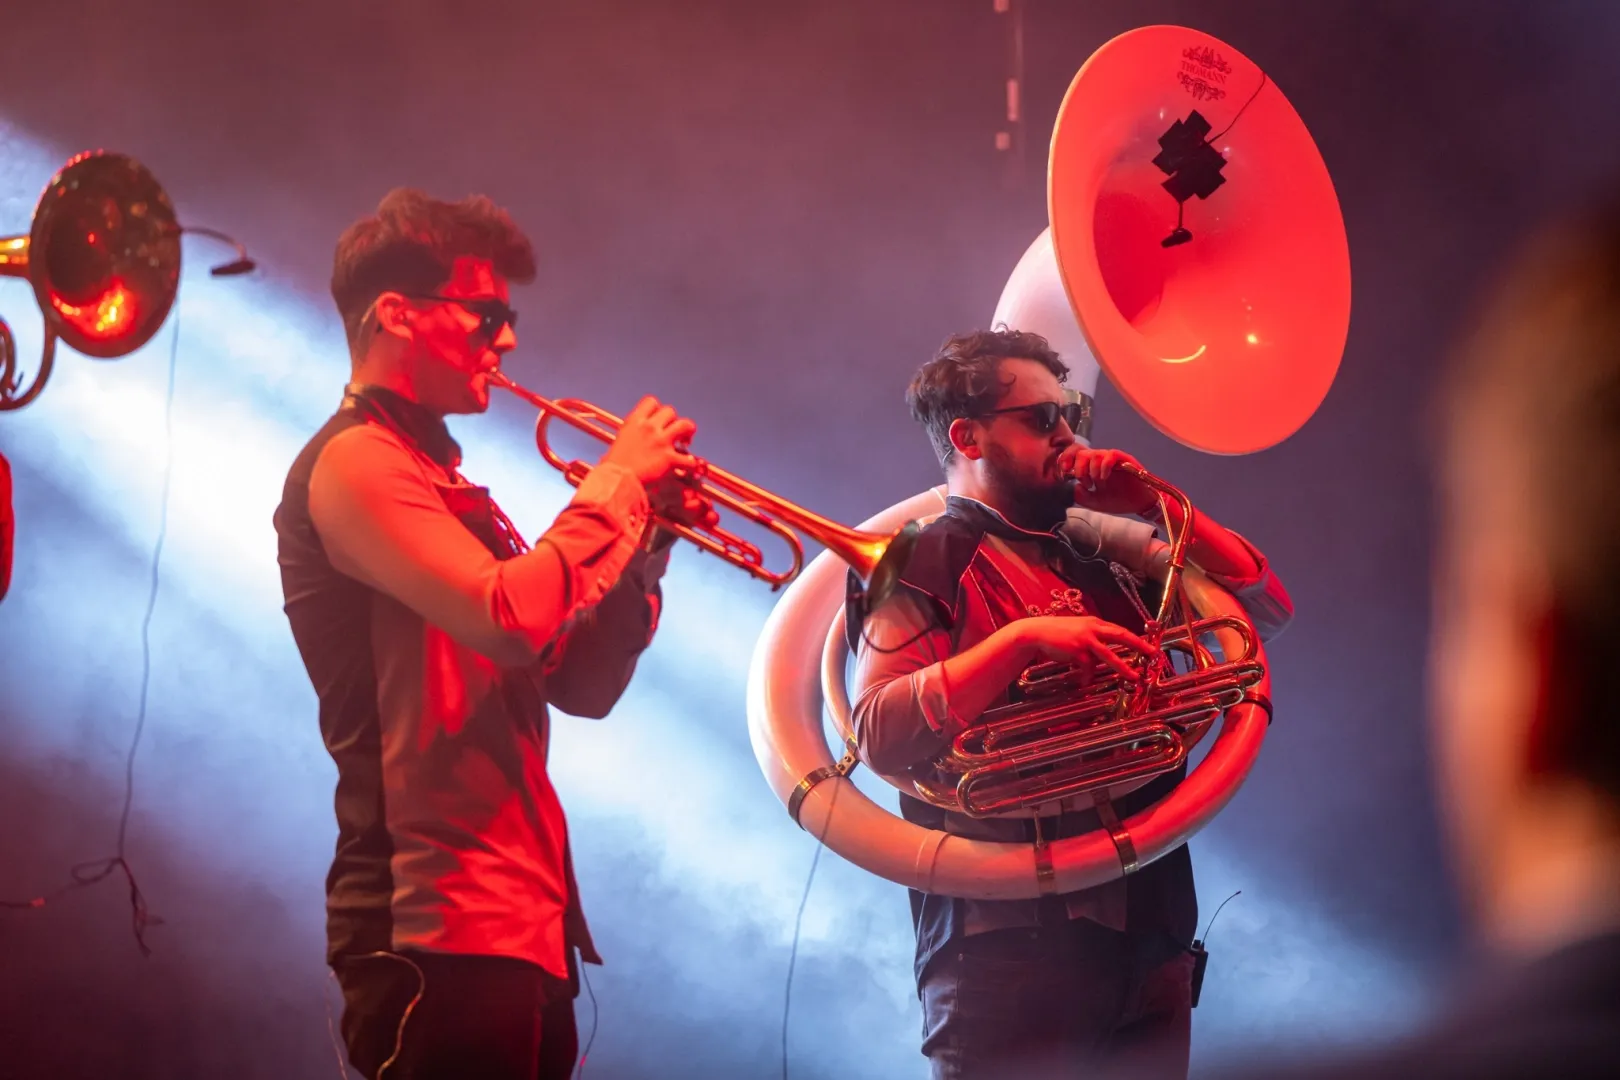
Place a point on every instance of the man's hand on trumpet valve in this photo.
(675, 498)
(1102, 486)
(652, 443)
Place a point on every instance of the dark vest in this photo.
(330, 616)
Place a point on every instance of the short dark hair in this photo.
(963, 380)
(1543, 370)
(411, 243)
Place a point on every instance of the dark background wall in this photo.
(768, 214)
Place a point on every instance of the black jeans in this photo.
(1070, 1000)
(473, 1018)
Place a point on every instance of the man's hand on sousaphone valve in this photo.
(1081, 648)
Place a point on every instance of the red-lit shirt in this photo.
(434, 648)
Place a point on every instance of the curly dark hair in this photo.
(962, 380)
(411, 243)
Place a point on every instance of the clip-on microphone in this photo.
(1201, 955)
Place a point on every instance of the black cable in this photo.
(579, 1070)
(798, 923)
(933, 624)
(331, 1025)
(1204, 937)
(1240, 112)
(88, 873)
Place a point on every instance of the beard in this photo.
(1037, 502)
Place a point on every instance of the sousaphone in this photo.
(1196, 253)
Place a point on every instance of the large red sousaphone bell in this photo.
(1199, 239)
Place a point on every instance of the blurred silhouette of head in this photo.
(1527, 594)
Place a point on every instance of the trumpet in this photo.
(878, 559)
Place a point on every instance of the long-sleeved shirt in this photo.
(434, 642)
(974, 572)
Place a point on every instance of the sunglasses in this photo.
(493, 315)
(1043, 416)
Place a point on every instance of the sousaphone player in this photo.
(1036, 684)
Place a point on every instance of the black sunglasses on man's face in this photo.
(492, 314)
(1043, 416)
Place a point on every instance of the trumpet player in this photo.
(436, 638)
(1042, 553)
